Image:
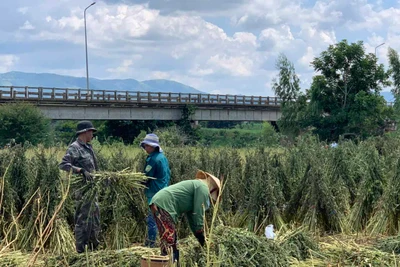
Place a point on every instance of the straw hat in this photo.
(213, 183)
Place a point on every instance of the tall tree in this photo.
(287, 85)
(347, 88)
(394, 71)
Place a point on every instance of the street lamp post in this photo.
(377, 47)
(87, 65)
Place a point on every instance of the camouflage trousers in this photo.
(87, 225)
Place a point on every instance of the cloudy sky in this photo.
(217, 46)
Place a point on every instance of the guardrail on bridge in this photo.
(69, 95)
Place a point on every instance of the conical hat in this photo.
(214, 184)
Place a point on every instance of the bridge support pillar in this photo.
(194, 124)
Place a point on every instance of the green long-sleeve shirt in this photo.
(189, 197)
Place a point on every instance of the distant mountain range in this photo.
(61, 81)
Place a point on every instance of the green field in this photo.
(334, 207)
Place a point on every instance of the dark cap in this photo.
(84, 126)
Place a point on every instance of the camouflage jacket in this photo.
(79, 155)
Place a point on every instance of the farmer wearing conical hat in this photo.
(192, 198)
(156, 167)
(81, 160)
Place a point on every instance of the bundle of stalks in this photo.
(298, 242)
(389, 244)
(17, 258)
(62, 240)
(335, 252)
(230, 165)
(122, 182)
(183, 163)
(120, 202)
(234, 247)
(48, 192)
(369, 191)
(314, 203)
(20, 177)
(103, 258)
(265, 198)
(339, 173)
(386, 217)
(121, 234)
(7, 202)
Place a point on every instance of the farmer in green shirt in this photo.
(156, 167)
(192, 198)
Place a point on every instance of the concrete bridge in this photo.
(79, 104)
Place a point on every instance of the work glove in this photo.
(87, 176)
(200, 237)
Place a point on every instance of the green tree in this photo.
(269, 136)
(287, 85)
(394, 71)
(368, 115)
(64, 131)
(23, 122)
(346, 93)
(128, 130)
(185, 123)
(293, 120)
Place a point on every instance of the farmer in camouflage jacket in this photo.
(81, 160)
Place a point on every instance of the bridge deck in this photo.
(68, 96)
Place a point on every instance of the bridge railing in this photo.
(83, 95)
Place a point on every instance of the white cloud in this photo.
(198, 71)
(236, 66)
(245, 38)
(306, 59)
(23, 10)
(72, 22)
(262, 14)
(276, 38)
(160, 75)
(27, 26)
(311, 32)
(125, 65)
(203, 7)
(7, 62)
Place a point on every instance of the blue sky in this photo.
(217, 46)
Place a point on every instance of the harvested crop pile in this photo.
(336, 252)
(123, 257)
(390, 244)
(298, 243)
(16, 258)
(238, 247)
